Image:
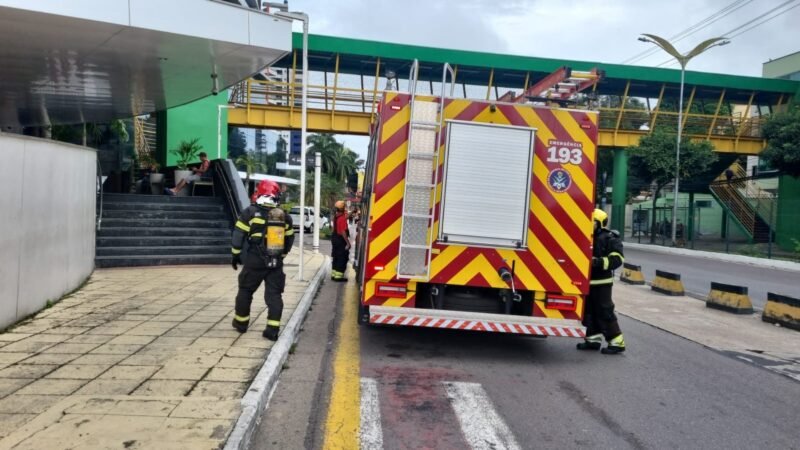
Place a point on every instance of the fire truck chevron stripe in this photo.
(477, 325)
(395, 123)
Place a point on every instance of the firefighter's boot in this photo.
(615, 346)
(240, 324)
(593, 342)
(271, 332)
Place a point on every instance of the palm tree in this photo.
(250, 164)
(326, 145)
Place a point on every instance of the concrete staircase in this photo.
(153, 230)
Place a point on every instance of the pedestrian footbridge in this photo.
(348, 76)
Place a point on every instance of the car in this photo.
(308, 219)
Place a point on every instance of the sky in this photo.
(596, 30)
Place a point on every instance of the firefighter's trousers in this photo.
(250, 279)
(340, 255)
(599, 316)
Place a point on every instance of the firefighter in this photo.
(340, 243)
(599, 318)
(268, 231)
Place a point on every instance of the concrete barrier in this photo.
(728, 297)
(667, 283)
(783, 310)
(632, 274)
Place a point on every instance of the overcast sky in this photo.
(595, 30)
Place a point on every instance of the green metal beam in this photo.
(363, 53)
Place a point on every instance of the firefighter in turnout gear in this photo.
(599, 318)
(269, 234)
(340, 243)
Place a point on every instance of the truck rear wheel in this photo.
(363, 314)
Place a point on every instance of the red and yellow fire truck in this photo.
(476, 215)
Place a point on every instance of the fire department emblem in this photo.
(559, 180)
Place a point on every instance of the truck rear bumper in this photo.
(462, 320)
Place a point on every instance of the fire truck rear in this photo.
(477, 214)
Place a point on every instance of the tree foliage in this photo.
(251, 164)
(338, 161)
(782, 132)
(654, 160)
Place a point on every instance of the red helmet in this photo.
(266, 193)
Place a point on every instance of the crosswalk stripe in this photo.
(371, 433)
(482, 426)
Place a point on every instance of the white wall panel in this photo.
(48, 233)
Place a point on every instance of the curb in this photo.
(631, 274)
(782, 310)
(730, 298)
(258, 394)
(667, 283)
(741, 259)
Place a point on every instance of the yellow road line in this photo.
(344, 413)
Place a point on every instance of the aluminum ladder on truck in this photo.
(422, 161)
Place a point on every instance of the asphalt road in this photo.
(698, 273)
(427, 388)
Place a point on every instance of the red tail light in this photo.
(561, 302)
(390, 290)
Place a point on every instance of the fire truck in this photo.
(476, 215)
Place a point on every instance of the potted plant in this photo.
(148, 162)
(186, 152)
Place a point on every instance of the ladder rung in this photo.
(419, 216)
(419, 185)
(420, 155)
(420, 247)
(423, 123)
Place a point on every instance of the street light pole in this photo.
(303, 126)
(683, 60)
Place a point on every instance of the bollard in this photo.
(631, 274)
(667, 283)
(728, 297)
(783, 310)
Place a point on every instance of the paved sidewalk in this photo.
(138, 358)
(745, 337)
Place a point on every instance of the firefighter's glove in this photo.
(235, 261)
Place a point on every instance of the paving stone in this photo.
(89, 339)
(28, 404)
(180, 372)
(133, 407)
(52, 338)
(11, 422)
(117, 349)
(32, 371)
(198, 428)
(79, 371)
(199, 409)
(223, 342)
(51, 358)
(27, 346)
(246, 352)
(173, 341)
(140, 373)
(71, 348)
(68, 330)
(11, 358)
(51, 386)
(220, 389)
(154, 359)
(95, 359)
(11, 385)
(109, 387)
(227, 374)
(239, 363)
(253, 342)
(132, 339)
(13, 337)
(164, 388)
